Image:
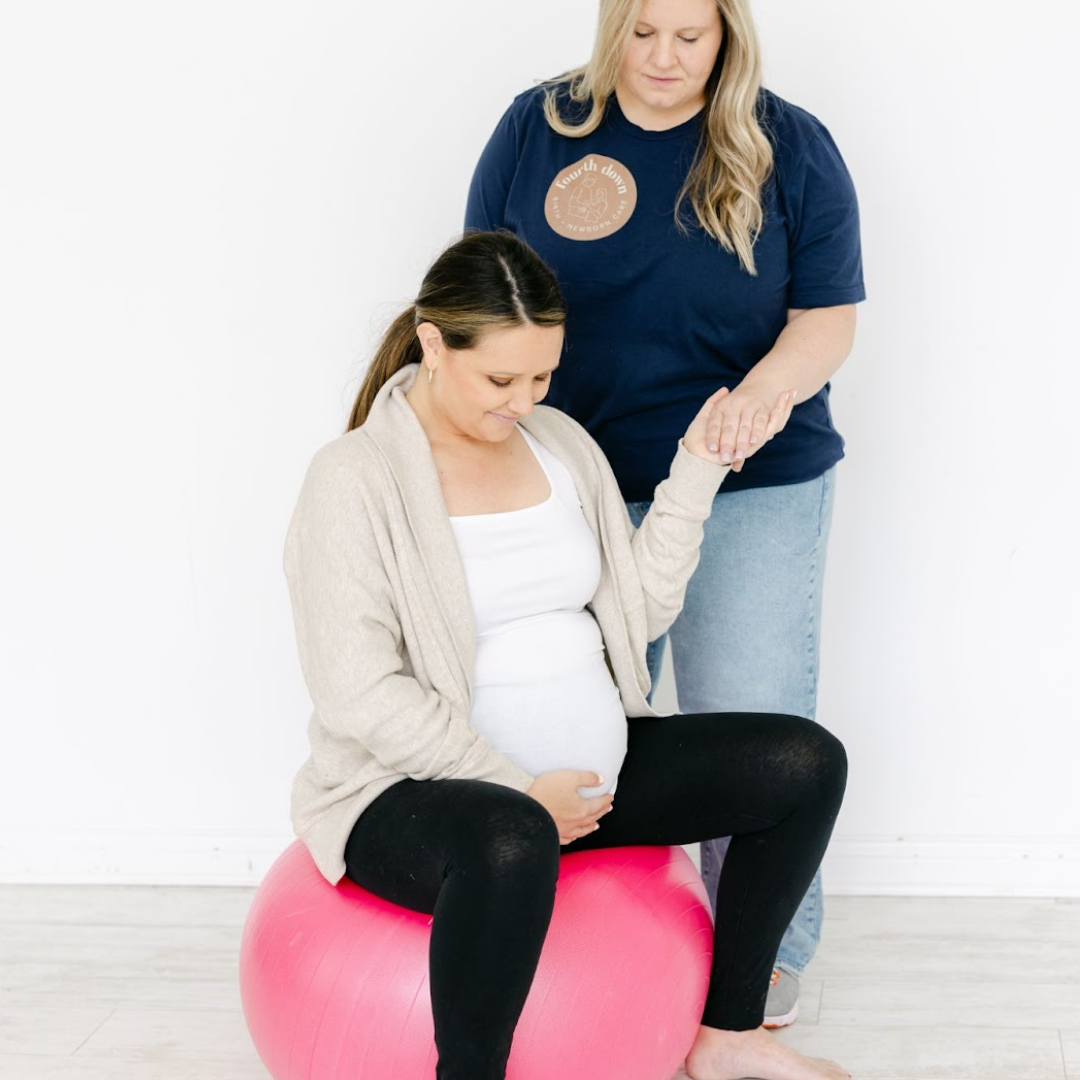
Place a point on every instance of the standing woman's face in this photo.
(668, 61)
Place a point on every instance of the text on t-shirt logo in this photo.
(591, 199)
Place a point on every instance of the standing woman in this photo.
(704, 233)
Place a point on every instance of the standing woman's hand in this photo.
(734, 424)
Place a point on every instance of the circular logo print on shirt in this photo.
(591, 199)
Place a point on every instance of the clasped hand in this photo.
(734, 424)
(575, 815)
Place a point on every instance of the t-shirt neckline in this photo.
(619, 119)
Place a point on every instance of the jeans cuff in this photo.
(790, 966)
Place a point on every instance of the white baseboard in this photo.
(953, 866)
(114, 858)
(912, 866)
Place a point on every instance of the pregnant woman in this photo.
(472, 608)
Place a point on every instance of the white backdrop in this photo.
(208, 210)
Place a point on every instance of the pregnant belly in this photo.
(543, 696)
(560, 723)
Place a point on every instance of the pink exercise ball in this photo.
(334, 980)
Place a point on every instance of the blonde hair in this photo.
(483, 281)
(734, 158)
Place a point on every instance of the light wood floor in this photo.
(111, 983)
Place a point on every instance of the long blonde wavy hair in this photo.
(734, 158)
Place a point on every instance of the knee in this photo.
(517, 839)
(817, 762)
(828, 764)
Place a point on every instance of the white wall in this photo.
(207, 211)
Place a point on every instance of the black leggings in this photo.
(484, 860)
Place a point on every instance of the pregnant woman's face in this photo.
(668, 61)
(482, 392)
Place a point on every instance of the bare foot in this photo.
(739, 1055)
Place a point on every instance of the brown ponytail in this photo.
(483, 281)
(399, 346)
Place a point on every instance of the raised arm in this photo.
(808, 352)
(666, 546)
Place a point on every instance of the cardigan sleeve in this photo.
(666, 546)
(352, 649)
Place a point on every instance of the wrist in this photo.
(696, 473)
(767, 388)
(698, 449)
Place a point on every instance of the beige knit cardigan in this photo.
(383, 621)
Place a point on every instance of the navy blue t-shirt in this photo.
(658, 319)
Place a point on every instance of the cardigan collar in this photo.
(395, 431)
(399, 436)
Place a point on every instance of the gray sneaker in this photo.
(782, 1004)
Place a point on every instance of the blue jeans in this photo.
(747, 639)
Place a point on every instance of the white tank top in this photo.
(543, 694)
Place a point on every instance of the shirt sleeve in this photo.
(485, 209)
(823, 214)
